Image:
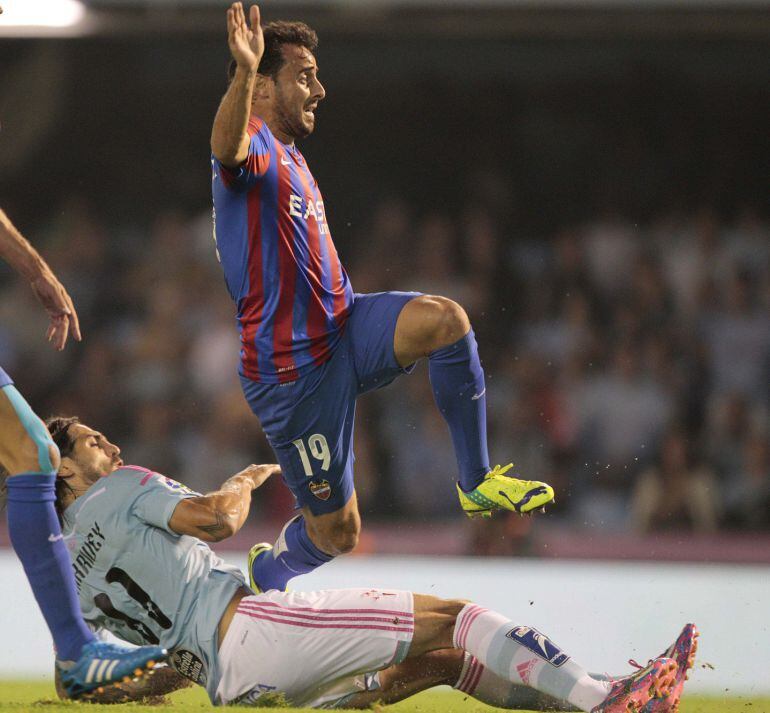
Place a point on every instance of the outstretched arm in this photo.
(229, 135)
(220, 514)
(23, 258)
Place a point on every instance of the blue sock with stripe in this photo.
(293, 554)
(460, 393)
(36, 536)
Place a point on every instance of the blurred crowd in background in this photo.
(596, 200)
(627, 364)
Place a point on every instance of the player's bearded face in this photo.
(94, 455)
(292, 116)
(297, 92)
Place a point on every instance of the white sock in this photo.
(486, 686)
(521, 654)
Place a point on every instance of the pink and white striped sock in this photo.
(470, 675)
(486, 686)
(521, 654)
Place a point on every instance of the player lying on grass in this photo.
(447, 667)
(143, 571)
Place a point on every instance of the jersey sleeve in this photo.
(157, 499)
(257, 162)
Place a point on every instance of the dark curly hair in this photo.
(277, 34)
(58, 427)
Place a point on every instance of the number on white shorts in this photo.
(319, 449)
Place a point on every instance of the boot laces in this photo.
(499, 470)
(637, 665)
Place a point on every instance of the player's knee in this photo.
(450, 610)
(339, 539)
(26, 446)
(47, 459)
(27, 459)
(447, 321)
(335, 533)
(344, 539)
(457, 605)
(446, 613)
(54, 457)
(444, 666)
(34, 454)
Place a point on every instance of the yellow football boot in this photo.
(502, 492)
(258, 549)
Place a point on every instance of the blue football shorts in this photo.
(309, 422)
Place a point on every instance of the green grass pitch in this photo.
(39, 697)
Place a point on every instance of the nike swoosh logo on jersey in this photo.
(285, 163)
(55, 538)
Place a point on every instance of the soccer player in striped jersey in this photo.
(309, 345)
(137, 541)
(29, 460)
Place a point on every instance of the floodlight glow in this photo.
(41, 13)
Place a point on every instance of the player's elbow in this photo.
(221, 154)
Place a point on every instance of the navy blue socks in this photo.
(294, 554)
(460, 393)
(36, 536)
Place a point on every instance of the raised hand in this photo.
(58, 304)
(247, 44)
(260, 473)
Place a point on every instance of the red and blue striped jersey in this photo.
(281, 267)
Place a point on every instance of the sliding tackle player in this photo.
(143, 570)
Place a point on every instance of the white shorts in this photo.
(313, 647)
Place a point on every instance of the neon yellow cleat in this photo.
(502, 492)
(258, 549)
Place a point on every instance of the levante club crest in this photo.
(322, 490)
